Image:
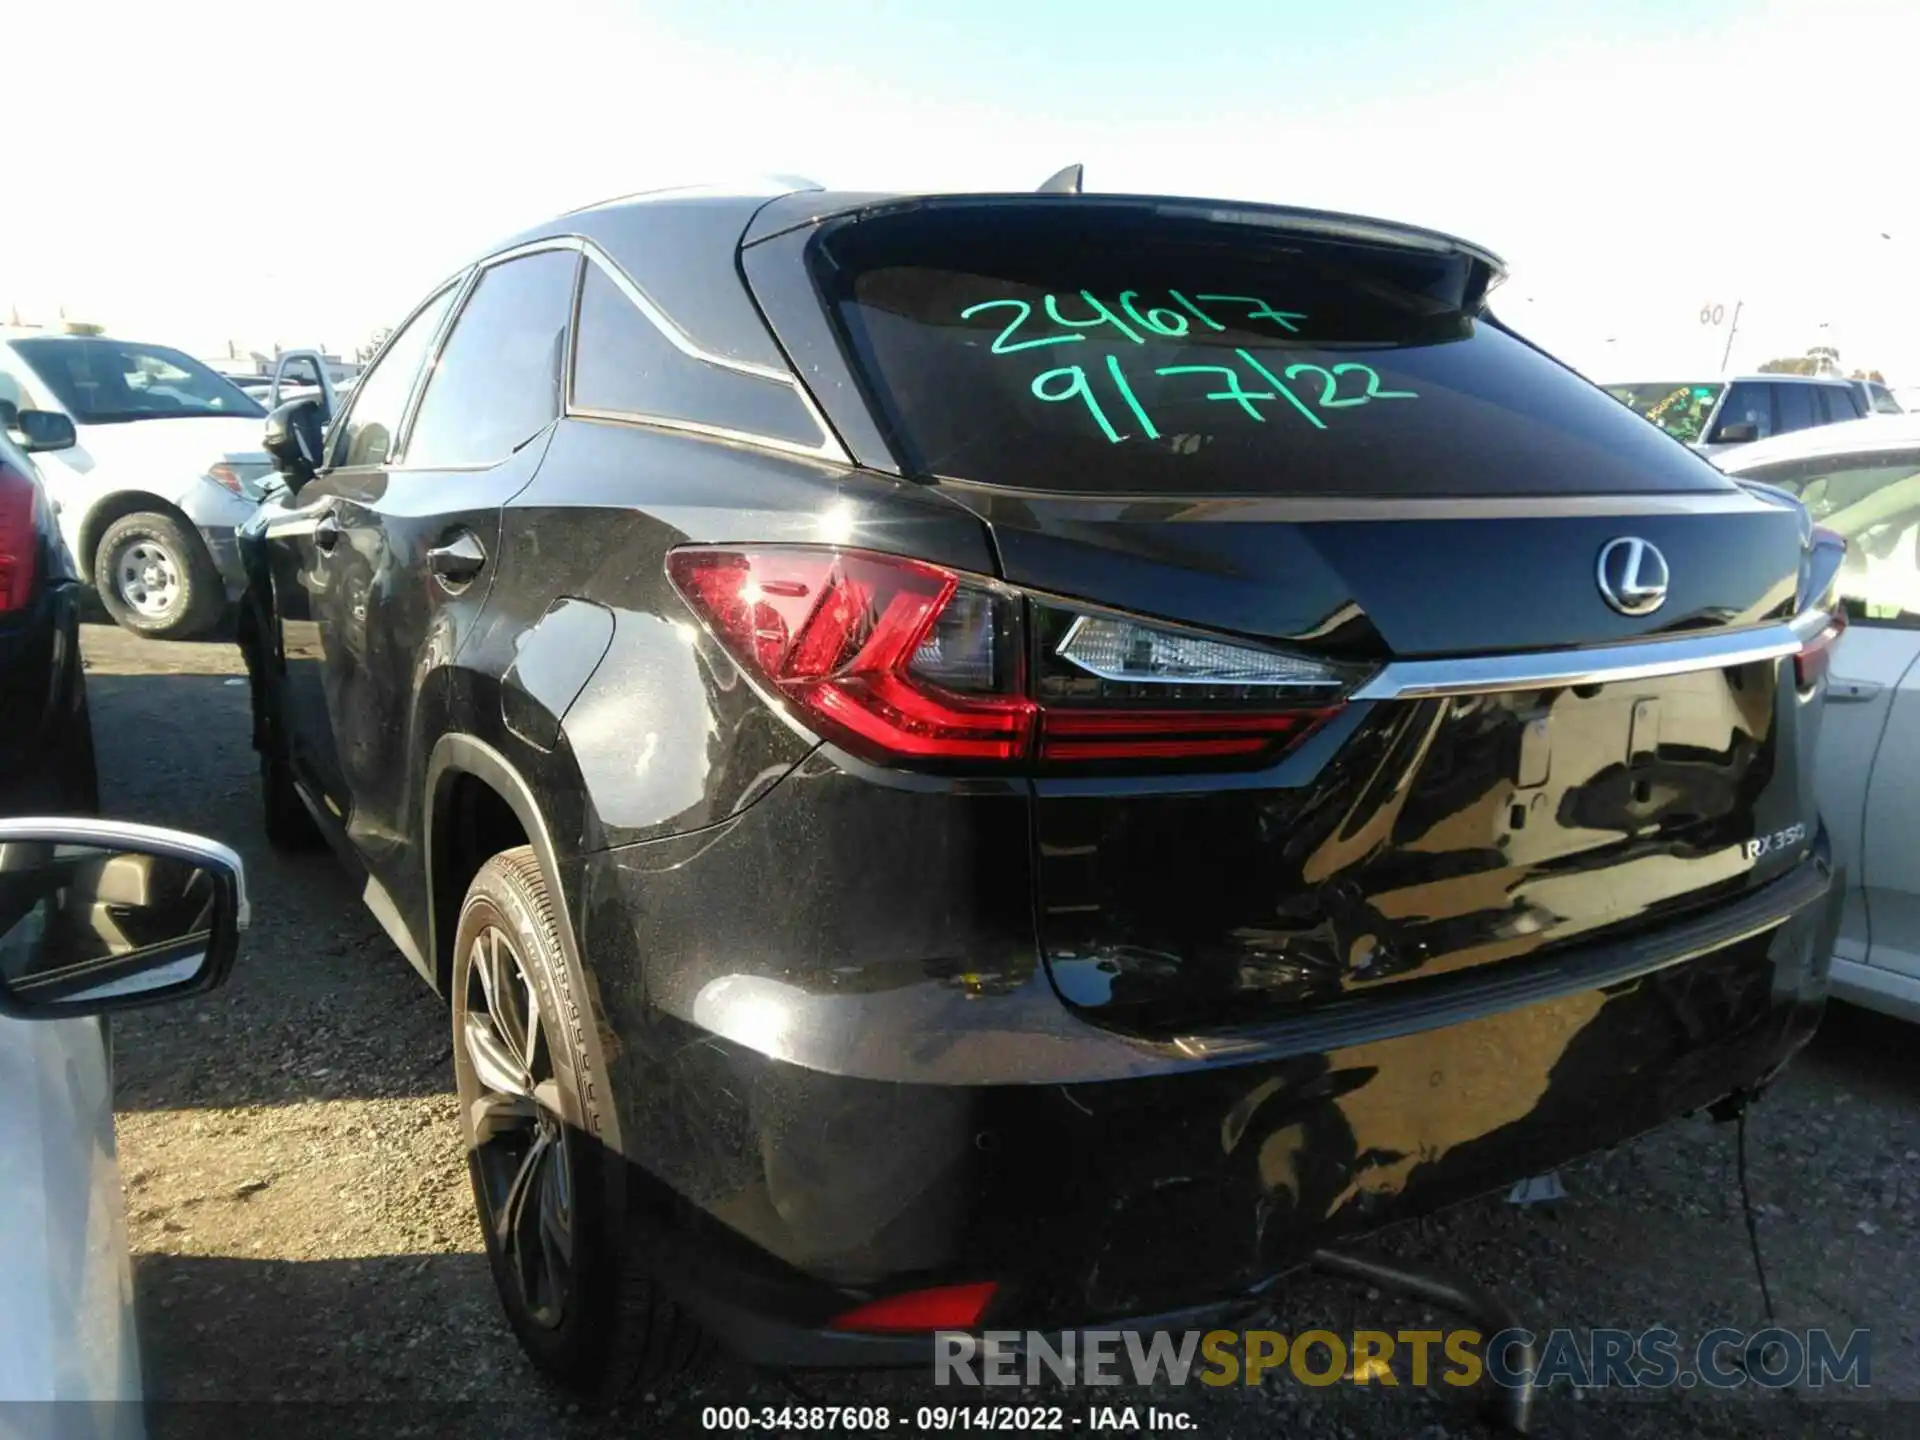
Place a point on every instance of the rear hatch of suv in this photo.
(1372, 645)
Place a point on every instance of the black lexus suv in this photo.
(1019, 761)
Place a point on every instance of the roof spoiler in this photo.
(1063, 182)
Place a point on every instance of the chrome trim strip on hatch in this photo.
(1600, 665)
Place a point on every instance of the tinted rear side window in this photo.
(625, 366)
(1796, 408)
(1106, 349)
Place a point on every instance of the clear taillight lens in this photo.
(901, 661)
(1127, 651)
(19, 539)
(1116, 688)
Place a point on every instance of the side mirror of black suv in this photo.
(293, 439)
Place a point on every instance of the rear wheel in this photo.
(550, 1196)
(155, 577)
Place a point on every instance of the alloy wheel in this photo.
(523, 1170)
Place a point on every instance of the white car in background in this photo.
(1862, 480)
(1716, 416)
(164, 467)
(95, 916)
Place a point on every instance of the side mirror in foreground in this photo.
(97, 915)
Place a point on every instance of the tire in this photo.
(155, 577)
(570, 1275)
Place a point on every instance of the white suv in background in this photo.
(163, 468)
(1715, 415)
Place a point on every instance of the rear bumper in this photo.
(1164, 1179)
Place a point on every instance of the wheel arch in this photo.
(117, 506)
(459, 763)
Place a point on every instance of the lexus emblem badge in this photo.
(1632, 575)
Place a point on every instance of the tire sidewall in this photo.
(574, 1346)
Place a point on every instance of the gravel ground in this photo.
(306, 1259)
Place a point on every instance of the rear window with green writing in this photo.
(1113, 350)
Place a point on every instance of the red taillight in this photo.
(1169, 734)
(19, 539)
(948, 1307)
(1815, 657)
(840, 635)
(897, 660)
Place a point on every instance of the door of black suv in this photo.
(417, 541)
(301, 544)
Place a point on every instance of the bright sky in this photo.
(273, 171)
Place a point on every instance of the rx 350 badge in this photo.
(1776, 842)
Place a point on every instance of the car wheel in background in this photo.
(155, 577)
(550, 1197)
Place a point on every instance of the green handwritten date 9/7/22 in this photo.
(1069, 382)
(1186, 315)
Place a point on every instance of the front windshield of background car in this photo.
(111, 382)
(1677, 407)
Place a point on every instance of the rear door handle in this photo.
(455, 563)
(1851, 692)
(326, 531)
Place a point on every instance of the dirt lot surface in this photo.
(307, 1260)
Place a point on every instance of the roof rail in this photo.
(749, 185)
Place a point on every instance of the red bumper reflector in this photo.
(1173, 734)
(945, 1307)
(1816, 656)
